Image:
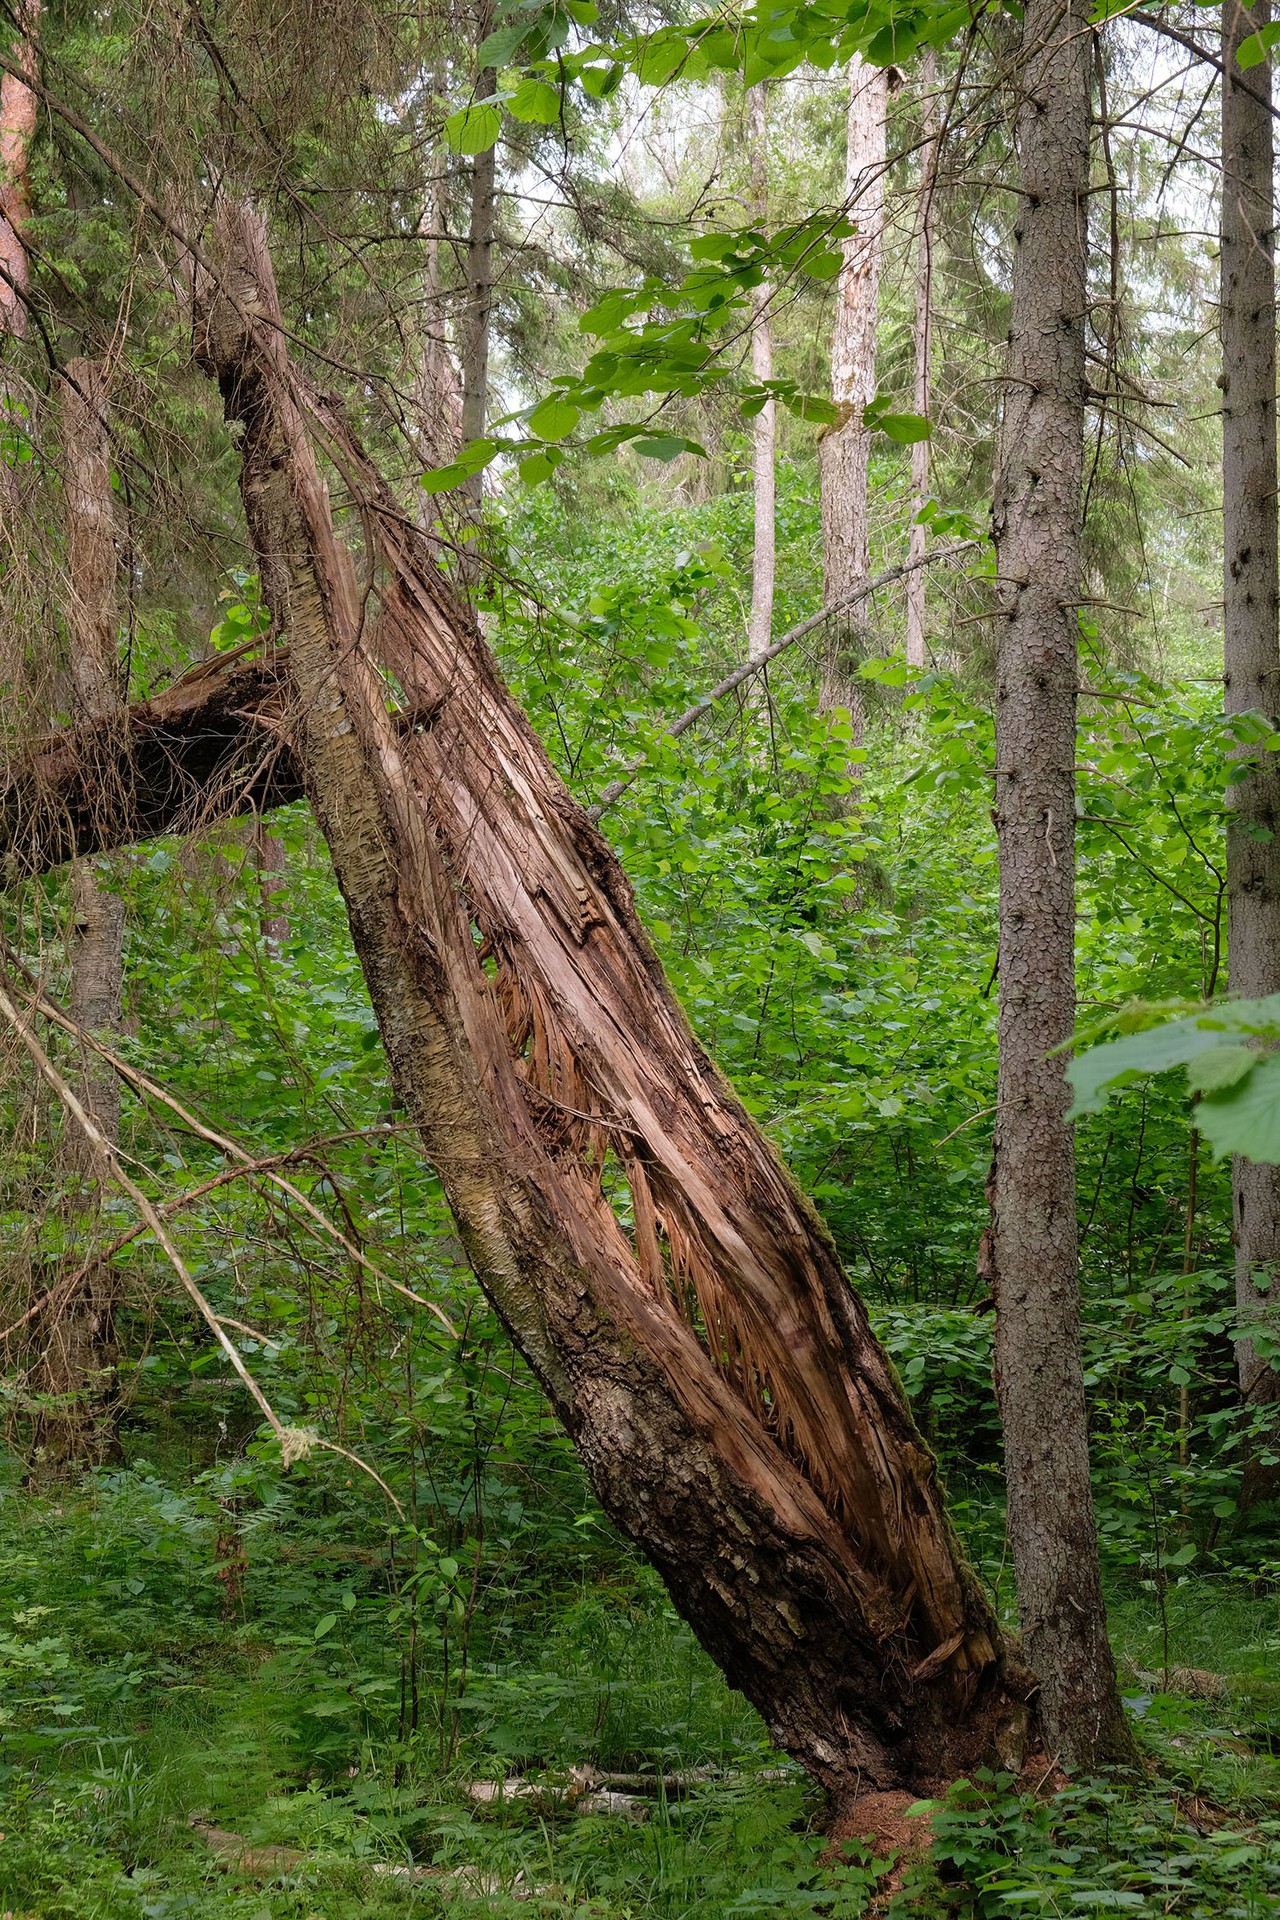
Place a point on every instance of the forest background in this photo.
(687, 312)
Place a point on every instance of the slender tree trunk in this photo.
(272, 862)
(715, 1369)
(77, 1368)
(846, 449)
(17, 131)
(1036, 514)
(1251, 644)
(923, 344)
(764, 431)
(437, 390)
(478, 310)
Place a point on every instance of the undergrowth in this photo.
(165, 1676)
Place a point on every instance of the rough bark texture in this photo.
(211, 746)
(845, 450)
(923, 347)
(718, 1375)
(17, 130)
(479, 295)
(77, 1367)
(764, 430)
(1251, 643)
(1036, 513)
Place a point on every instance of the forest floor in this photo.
(199, 1720)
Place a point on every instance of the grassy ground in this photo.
(153, 1675)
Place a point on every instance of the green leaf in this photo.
(666, 446)
(472, 459)
(325, 1624)
(905, 428)
(554, 418)
(538, 467)
(501, 47)
(473, 129)
(1253, 51)
(1220, 1068)
(535, 101)
(1100, 1070)
(1245, 1118)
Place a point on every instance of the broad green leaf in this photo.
(1253, 51)
(473, 129)
(1221, 1067)
(501, 47)
(325, 1624)
(554, 418)
(1245, 1119)
(535, 101)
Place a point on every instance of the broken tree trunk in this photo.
(718, 1375)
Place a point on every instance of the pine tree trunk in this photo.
(77, 1367)
(922, 343)
(714, 1368)
(846, 449)
(764, 429)
(1251, 647)
(1036, 514)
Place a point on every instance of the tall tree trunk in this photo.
(764, 430)
(716, 1371)
(77, 1367)
(1036, 515)
(17, 131)
(437, 390)
(923, 346)
(478, 310)
(846, 449)
(1251, 644)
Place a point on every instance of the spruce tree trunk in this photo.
(922, 342)
(716, 1371)
(478, 309)
(1251, 646)
(1036, 515)
(846, 449)
(77, 1366)
(764, 428)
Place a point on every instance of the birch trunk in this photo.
(764, 427)
(923, 346)
(1251, 644)
(845, 450)
(718, 1375)
(1036, 515)
(77, 1367)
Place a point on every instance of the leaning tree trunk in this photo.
(1251, 647)
(845, 451)
(1036, 514)
(718, 1375)
(77, 1366)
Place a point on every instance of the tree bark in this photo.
(1036, 515)
(765, 425)
(17, 131)
(77, 1368)
(479, 296)
(846, 449)
(1251, 645)
(923, 348)
(718, 1375)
